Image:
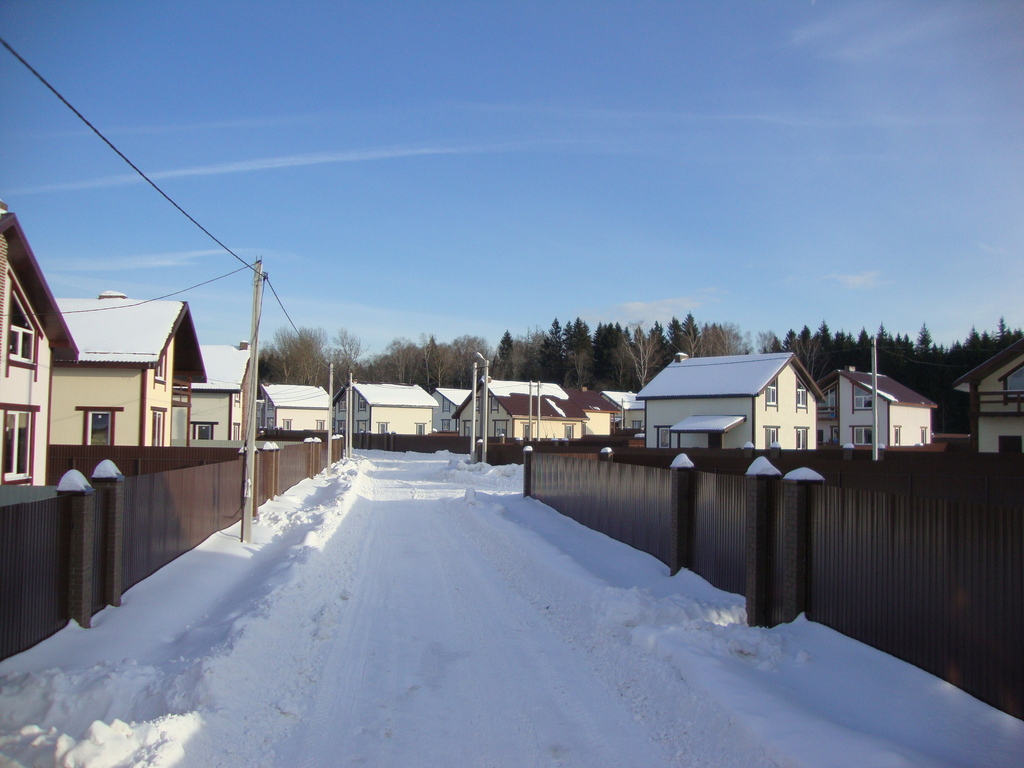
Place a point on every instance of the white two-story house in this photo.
(726, 402)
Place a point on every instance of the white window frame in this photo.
(861, 400)
(17, 446)
(862, 435)
(286, 423)
(771, 394)
(896, 435)
(382, 427)
(321, 424)
(771, 435)
(199, 426)
(92, 414)
(157, 420)
(446, 405)
(21, 344)
(663, 437)
(421, 429)
(801, 396)
(802, 438)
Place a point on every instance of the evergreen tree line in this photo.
(624, 358)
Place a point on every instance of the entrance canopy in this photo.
(707, 424)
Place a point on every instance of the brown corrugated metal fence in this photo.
(33, 573)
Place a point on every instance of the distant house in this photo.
(601, 413)
(218, 406)
(448, 401)
(631, 411)
(137, 363)
(32, 334)
(510, 406)
(295, 407)
(405, 409)
(726, 402)
(845, 411)
(996, 388)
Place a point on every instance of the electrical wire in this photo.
(158, 298)
(119, 153)
(280, 304)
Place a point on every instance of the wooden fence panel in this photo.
(34, 546)
(131, 460)
(719, 551)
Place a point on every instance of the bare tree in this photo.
(298, 357)
(645, 352)
(346, 353)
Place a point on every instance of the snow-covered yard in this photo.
(408, 610)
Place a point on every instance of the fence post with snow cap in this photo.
(758, 540)
(799, 487)
(81, 502)
(527, 471)
(606, 454)
(109, 484)
(683, 516)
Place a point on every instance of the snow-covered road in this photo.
(405, 610)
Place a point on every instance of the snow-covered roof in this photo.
(400, 395)
(625, 400)
(504, 388)
(888, 388)
(707, 423)
(120, 330)
(727, 376)
(297, 396)
(457, 396)
(225, 367)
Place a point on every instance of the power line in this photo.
(158, 298)
(281, 305)
(120, 154)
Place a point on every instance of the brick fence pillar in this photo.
(81, 504)
(109, 484)
(799, 488)
(758, 541)
(527, 471)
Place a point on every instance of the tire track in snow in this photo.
(436, 662)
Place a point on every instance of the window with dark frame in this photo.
(202, 430)
(101, 427)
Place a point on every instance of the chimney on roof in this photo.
(112, 295)
(851, 368)
(680, 356)
(243, 345)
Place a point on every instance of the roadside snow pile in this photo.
(112, 696)
(503, 476)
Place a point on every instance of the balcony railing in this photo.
(1008, 401)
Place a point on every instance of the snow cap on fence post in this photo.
(527, 471)
(804, 475)
(107, 470)
(682, 461)
(270, 447)
(763, 468)
(748, 449)
(848, 450)
(606, 454)
(74, 481)
(309, 440)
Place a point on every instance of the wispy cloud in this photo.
(660, 310)
(862, 281)
(284, 161)
(141, 261)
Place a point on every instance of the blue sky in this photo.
(471, 167)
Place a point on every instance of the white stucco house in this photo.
(511, 410)
(726, 402)
(845, 411)
(137, 363)
(32, 334)
(631, 411)
(218, 405)
(448, 401)
(405, 409)
(996, 389)
(294, 407)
